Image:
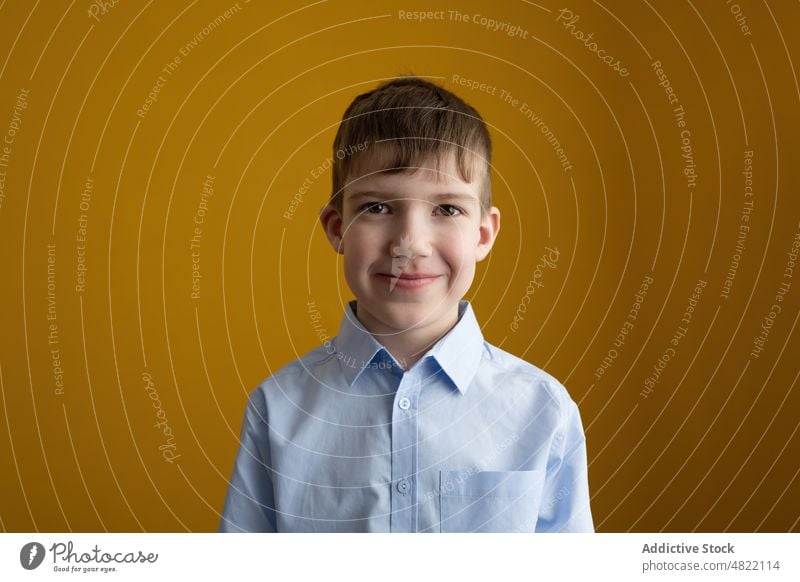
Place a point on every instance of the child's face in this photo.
(410, 242)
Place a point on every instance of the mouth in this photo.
(406, 281)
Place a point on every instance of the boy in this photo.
(408, 421)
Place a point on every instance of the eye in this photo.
(450, 210)
(373, 208)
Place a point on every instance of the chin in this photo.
(404, 315)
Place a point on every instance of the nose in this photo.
(411, 237)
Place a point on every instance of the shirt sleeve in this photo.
(250, 504)
(564, 504)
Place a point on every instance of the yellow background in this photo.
(255, 102)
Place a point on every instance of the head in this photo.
(411, 207)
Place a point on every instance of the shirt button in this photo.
(404, 403)
(403, 486)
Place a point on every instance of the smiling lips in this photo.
(409, 282)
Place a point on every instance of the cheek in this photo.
(362, 247)
(458, 248)
(354, 256)
(361, 231)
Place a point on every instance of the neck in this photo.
(408, 346)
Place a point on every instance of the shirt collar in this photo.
(458, 353)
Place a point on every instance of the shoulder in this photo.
(513, 370)
(294, 376)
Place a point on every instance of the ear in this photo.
(487, 233)
(331, 220)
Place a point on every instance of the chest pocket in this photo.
(489, 501)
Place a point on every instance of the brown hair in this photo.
(408, 121)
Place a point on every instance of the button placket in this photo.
(404, 456)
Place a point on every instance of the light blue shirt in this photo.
(471, 438)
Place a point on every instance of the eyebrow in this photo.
(463, 197)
